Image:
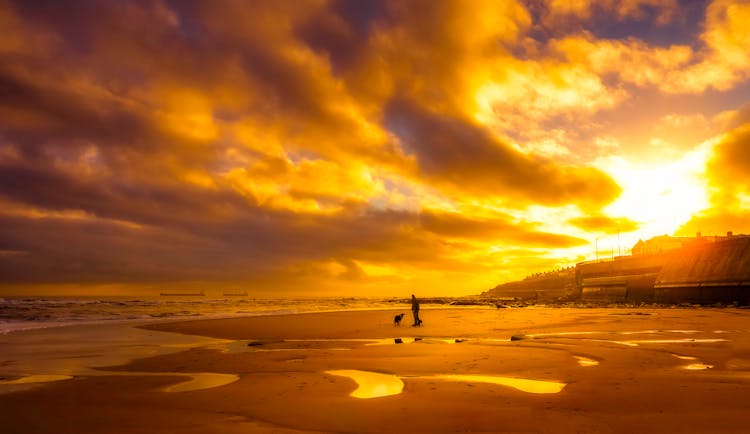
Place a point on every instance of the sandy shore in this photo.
(569, 371)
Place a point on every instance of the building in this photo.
(661, 244)
(664, 243)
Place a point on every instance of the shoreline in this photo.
(20, 325)
(569, 370)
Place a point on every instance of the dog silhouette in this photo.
(397, 319)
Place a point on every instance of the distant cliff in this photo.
(701, 272)
(552, 285)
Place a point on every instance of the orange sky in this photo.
(361, 148)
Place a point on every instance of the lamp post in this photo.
(597, 248)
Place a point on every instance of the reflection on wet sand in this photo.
(374, 384)
(522, 384)
(29, 379)
(635, 343)
(390, 341)
(629, 342)
(200, 381)
(585, 361)
(684, 357)
(371, 384)
(196, 381)
(697, 367)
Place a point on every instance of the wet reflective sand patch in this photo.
(605, 332)
(684, 357)
(697, 366)
(391, 341)
(37, 379)
(522, 384)
(586, 362)
(199, 381)
(371, 384)
(555, 334)
(670, 341)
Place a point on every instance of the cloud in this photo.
(720, 62)
(604, 224)
(724, 60)
(633, 60)
(496, 230)
(730, 167)
(457, 154)
(727, 174)
(661, 11)
(322, 144)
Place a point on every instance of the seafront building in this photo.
(662, 269)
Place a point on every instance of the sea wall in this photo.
(624, 278)
(705, 272)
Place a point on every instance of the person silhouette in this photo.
(415, 311)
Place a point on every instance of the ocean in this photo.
(24, 313)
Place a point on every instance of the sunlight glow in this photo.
(660, 197)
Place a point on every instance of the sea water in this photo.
(24, 313)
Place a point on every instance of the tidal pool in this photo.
(29, 379)
(371, 384)
(585, 361)
(697, 366)
(198, 381)
(522, 384)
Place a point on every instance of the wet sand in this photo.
(566, 370)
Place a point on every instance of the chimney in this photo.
(729, 234)
(698, 235)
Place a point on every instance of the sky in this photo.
(358, 148)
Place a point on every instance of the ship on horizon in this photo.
(235, 294)
(183, 294)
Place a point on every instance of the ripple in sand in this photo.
(37, 379)
(522, 384)
(371, 384)
(199, 381)
(586, 362)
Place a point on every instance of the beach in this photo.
(525, 370)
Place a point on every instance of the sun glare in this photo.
(660, 197)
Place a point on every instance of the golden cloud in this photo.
(318, 142)
(724, 61)
(622, 9)
(633, 61)
(727, 174)
(604, 224)
(497, 230)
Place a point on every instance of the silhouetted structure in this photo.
(663, 269)
(709, 272)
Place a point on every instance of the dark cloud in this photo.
(460, 155)
(500, 230)
(730, 167)
(728, 173)
(342, 32)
